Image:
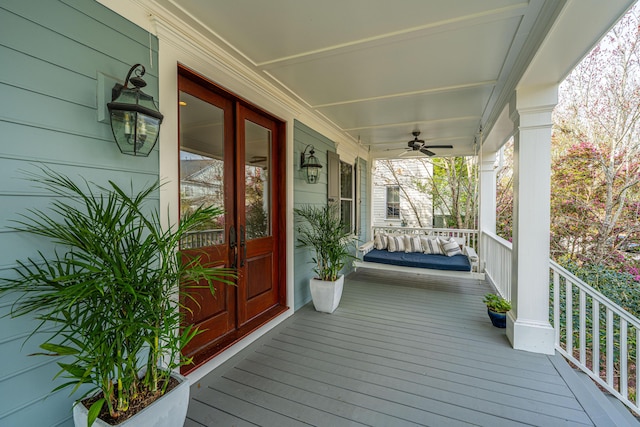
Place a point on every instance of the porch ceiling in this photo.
(379, 69)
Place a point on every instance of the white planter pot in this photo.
(168, 411)
(325, 294)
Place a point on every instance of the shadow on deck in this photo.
(400, 350)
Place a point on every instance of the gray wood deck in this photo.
(401, 350)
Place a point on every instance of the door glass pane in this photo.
(257, 180)
(201, 166)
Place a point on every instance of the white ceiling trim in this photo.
(396, 36)
(422, 122)
(412, 93)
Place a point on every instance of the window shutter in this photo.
(333, 178)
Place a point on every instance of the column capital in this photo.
(531, 107)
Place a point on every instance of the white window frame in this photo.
(352, 199)
(388, 203)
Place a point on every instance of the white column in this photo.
(487, 220)
(528, 326)
(487, 204)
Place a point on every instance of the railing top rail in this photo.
(503, 242)
(451, 230)
(596, 294)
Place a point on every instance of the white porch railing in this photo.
(470, 236)
(496, 255)
(200, 238)
(601, 338)
(611, 358)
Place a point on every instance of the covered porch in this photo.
(400, 350)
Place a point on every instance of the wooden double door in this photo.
(232, 156)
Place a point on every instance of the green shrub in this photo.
(496, 303)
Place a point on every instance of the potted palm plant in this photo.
(109, 293)
(322, 230)
(497, 308)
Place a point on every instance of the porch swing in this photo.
(429, 251)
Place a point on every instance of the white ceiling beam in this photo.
(396, 36)
(412, 93)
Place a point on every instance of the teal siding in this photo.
(307, 194)
(51, 54)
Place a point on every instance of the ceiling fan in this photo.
(418, 145)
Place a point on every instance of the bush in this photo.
(619, 287)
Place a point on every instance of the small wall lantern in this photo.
(135, 118)
(310, 164)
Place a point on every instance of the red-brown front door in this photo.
(231, 156)
(258, 288)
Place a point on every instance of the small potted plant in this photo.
(323, 231)
(109, 295)
(497, 308)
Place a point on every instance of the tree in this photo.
(504, 192)
(455, 190)
(597, 127)
(449, 184)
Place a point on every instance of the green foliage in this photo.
(496, 303)
(324, 232)
(455, 191)
(619, 287)
(504, 194)
(110, 290)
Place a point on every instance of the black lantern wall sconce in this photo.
(135, 118)
(310, 164)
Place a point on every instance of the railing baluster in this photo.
(556, 306)
(623, 356)
(609, 347)
(635, 372)
(596, 338)
(569, 315)
(583, 321)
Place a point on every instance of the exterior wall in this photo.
(51, 56)
(316, 194)
(407, 171)
(307, 194)
(181, 44)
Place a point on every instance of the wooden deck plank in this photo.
(410, 401)
(244, 403)
(416, 345)
(323, 396)
(450, 401)
(399, 351)
(421, 335)
(519, 396)
(270, 396)
(471, 368)
(201, 414)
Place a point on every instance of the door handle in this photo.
(243, 246)
(233, 246)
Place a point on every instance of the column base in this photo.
(533, 336)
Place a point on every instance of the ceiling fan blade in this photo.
(429, 153)
(438, 146)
